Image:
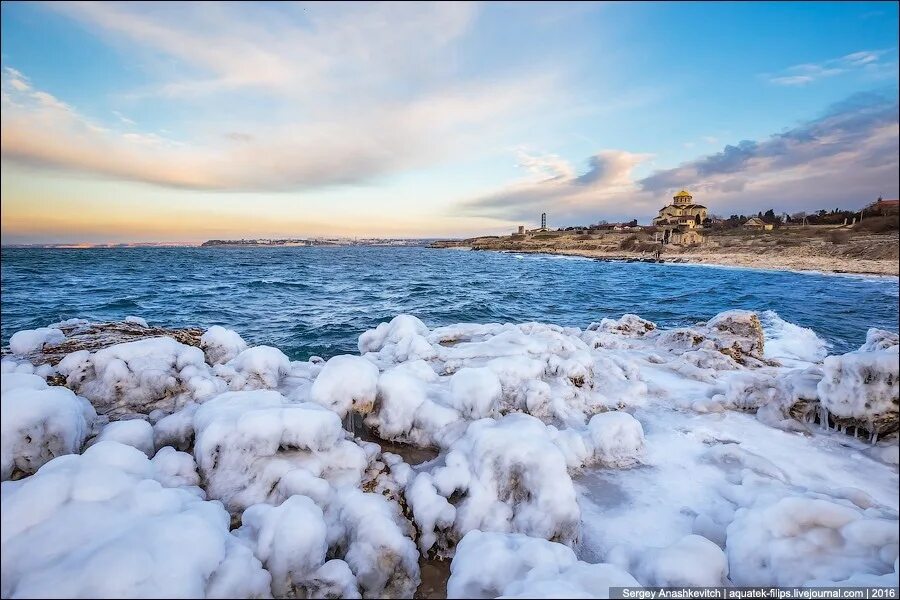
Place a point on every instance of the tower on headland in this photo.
(543, 220)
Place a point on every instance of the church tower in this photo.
(682, 198)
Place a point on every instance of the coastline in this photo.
(802, 264)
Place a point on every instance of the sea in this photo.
(318, 300)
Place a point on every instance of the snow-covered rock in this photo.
(136, 433)
(221, 345)
(504, 475)
(39, 422)
(32, 340)
(617, 437)
(290, 540)
(102, 525)
(512, 565)
(255, 447)
(256, 368)
(136, 378)
(864, 387)
(796, 539)
(136, 321)
(346, 383)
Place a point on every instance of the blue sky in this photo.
(179, 122)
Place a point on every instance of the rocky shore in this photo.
(826, 250)
(469, 460)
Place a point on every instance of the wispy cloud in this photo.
(563, 192)
(868, 61)
(845, 158)
(345, 94)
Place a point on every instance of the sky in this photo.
(183, 122)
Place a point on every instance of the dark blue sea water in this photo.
(318, 300)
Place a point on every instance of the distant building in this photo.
(758, 224)
(677, 221)
(543, 221)
(521, 230)
(682, 211)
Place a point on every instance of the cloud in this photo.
(566, 195)
(123, 118)
(845, 158)
(285, 97)
(867, 61)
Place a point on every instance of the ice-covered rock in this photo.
(511, 565)
(136, 321)
(32, 340)
(255, 447)
(475, 392)
(739, 334)
(136, 433)
(39, 422)
(617, 437)
(290, 540)
(371, 535)
(256, 368)
(402, 339)
(101, 525)
(796, 539)
(221, 345)
(136, 378)
(879, 339)
(504, 475)
(346, 383)
(863, 388)
(692, 561)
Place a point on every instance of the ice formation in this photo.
(221, 345)
(136, 378)
(795, 540)
(513, 565)
(101, 525)
(39, 422)
(551, 461)
(256, 447)
(32, 340)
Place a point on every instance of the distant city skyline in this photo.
(186, 122)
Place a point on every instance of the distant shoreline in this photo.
(861, 254)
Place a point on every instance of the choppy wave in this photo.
(316, 300)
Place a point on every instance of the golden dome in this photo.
(683, 194)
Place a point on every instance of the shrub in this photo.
(839, 236)
(879, 224)
(629, 243)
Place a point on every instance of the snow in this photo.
(290, 540)
(554, 462)
(259, 367)
(795, 540)
(346, 382)
(31, 340)
(101, 525)
(618, 439)
(475, 392)
(861, 385)
(511, 565)
(221, 345)
(509, 476)
(256, 447)
(135, 378)
(39, 422)
(134, 432)
(136, 321)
